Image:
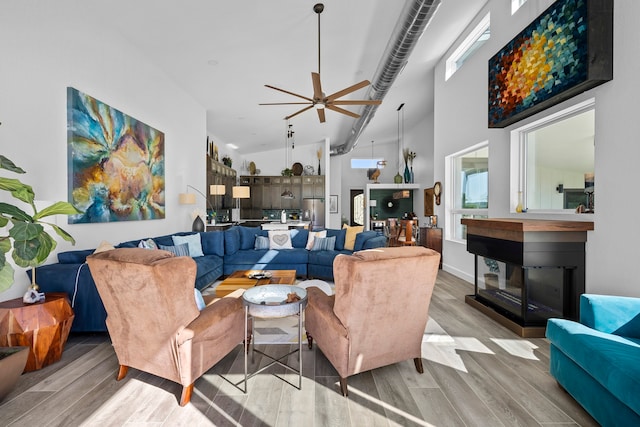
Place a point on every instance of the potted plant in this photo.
(26, 235)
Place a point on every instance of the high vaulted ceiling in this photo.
(224, 52)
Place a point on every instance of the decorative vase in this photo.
(198, 224)
(407, 174)
(519, 205)
(319, 171)
(398, 178)
(412, 176)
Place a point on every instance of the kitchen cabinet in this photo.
(266, 192)
(220, 174)
(313, 187)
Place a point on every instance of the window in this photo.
(515, 5)
(553, 158)
(469, 46)
(468, 173)
(367, 163)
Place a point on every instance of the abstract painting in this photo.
(115, 163)
(566, 50)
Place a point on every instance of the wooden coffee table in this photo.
(240, 280)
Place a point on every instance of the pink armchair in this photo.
(153, 320)
(379, 311)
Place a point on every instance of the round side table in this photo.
(268, 301)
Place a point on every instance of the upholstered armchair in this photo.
(379, 312)
(154, 321)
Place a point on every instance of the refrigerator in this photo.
(313, 210)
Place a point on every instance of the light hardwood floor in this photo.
(477, 373)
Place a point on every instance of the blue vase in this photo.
(413, 178)
(407, 174)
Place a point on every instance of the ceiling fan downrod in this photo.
(318, 8)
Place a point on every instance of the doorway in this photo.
(356, 204)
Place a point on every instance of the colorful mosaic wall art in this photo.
(566, 50)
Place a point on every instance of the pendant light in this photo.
(398, 178)
(287, 193)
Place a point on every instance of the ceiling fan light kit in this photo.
(319, 100)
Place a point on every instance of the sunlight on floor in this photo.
(439, 347)
(519, 348)
(385, 405)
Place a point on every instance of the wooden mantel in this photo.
(521, 230)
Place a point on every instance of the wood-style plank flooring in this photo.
(477, 373)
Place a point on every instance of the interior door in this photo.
(356, 216)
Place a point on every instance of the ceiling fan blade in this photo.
(343, 111)
(290, 93)
(285, 103)
(317, 87)
(298, 112)
(348, 90)
(321, 115)
(356, 102)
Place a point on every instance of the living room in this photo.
(43, 56)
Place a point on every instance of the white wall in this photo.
(460, 120)
(47, 47)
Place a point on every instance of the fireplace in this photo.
(527, 271)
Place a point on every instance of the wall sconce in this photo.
(560, 188)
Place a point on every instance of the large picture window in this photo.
(468, 173)
(553, 158)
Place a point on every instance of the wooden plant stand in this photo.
(43, 327)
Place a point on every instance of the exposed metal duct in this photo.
(412, 22)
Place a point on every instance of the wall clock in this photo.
(437, 190)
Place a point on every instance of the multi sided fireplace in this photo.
(527, 271)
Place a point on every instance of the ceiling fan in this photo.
(320, 100)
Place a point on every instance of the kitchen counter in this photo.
(277, 225)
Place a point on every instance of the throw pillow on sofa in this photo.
(103, 247)
(193, 241)
(350, 238)
(147, 244)
(262, 242)
(324, 244)
(280, 239)
(312, 236)
(177, 250)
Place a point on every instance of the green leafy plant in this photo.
(25, 233)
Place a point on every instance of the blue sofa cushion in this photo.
(362, 237)
(340, 236)
(610, 359)
(269, 256)
(248, 236)
(231, 241)
(325, 257)
(613, 314)
(74, 257)
(299, 238)
(378, 241)
(209, 268)
(213, 243)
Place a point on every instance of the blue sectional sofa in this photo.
(597, 360)
(224, 252)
